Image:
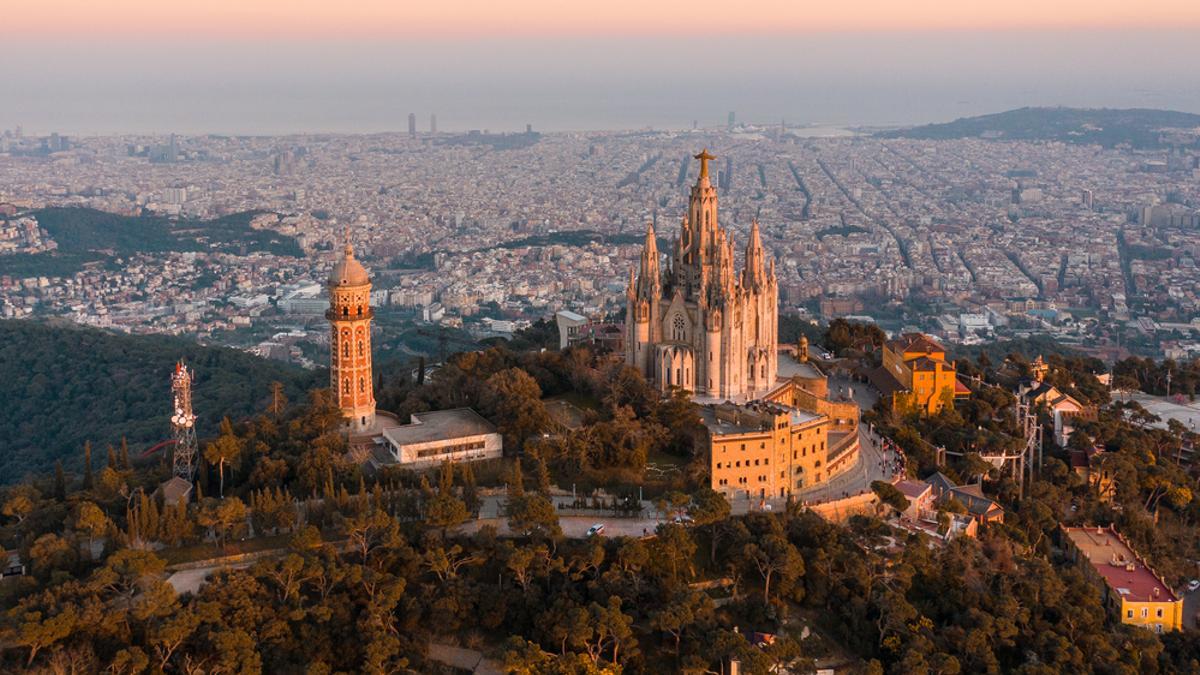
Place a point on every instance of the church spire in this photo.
(754, 275)
(650, 281)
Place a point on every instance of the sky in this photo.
(267, 66)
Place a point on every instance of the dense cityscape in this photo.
(536, 338)
(967, 239)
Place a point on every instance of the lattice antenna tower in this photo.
(183, 424)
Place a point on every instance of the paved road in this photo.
(862, 393)
(576, 527)
(461, 658)
(1187, 413)
(190, 581)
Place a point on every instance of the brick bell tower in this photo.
(350, 341)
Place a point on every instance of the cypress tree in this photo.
(125, 465)
(60, 482)
(112, 457)
(87, 465)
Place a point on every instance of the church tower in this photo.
(350, 341)
(701, 325)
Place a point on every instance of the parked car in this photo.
(1193, 585)
(683, 519)
(596, 530)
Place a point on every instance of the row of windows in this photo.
(362, 349)
(1145, 613)
(738, 463)
(742, 480)
(448, 449)
(347, 387)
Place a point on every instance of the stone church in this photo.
(698, 324)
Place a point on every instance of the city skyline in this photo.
(248, 68)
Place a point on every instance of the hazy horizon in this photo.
(230, 73)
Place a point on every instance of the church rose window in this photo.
(677, 328)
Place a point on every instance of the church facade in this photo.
(697, 324)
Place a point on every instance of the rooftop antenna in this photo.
(183, 424)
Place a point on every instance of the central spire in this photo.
(704, 158)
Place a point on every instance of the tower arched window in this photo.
(360, 310)
(346, 386)
(362, 384)
(345, 311)
(346, 349)
(362, 351)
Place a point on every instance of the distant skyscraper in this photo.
(412, 125)
(732, 118)
(433, 124)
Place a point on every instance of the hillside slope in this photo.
(87, 235)
(63, 384)
(1139, 127)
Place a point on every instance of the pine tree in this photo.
(87, 465)
(60, 482)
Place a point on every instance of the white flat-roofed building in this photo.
(458, 435)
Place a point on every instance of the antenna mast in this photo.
(183, 423)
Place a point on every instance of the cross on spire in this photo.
(704, 157)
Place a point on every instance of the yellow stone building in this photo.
(764, 450)
(916, 376)
(1132, 592)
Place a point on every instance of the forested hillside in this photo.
(61, 385)
(1138, 127)
(87, 235)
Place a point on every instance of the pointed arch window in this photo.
(346, 386)
(362, 351)
(346, 349)
(678, 328)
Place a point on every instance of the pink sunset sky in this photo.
(432, 19)
(291, 66)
